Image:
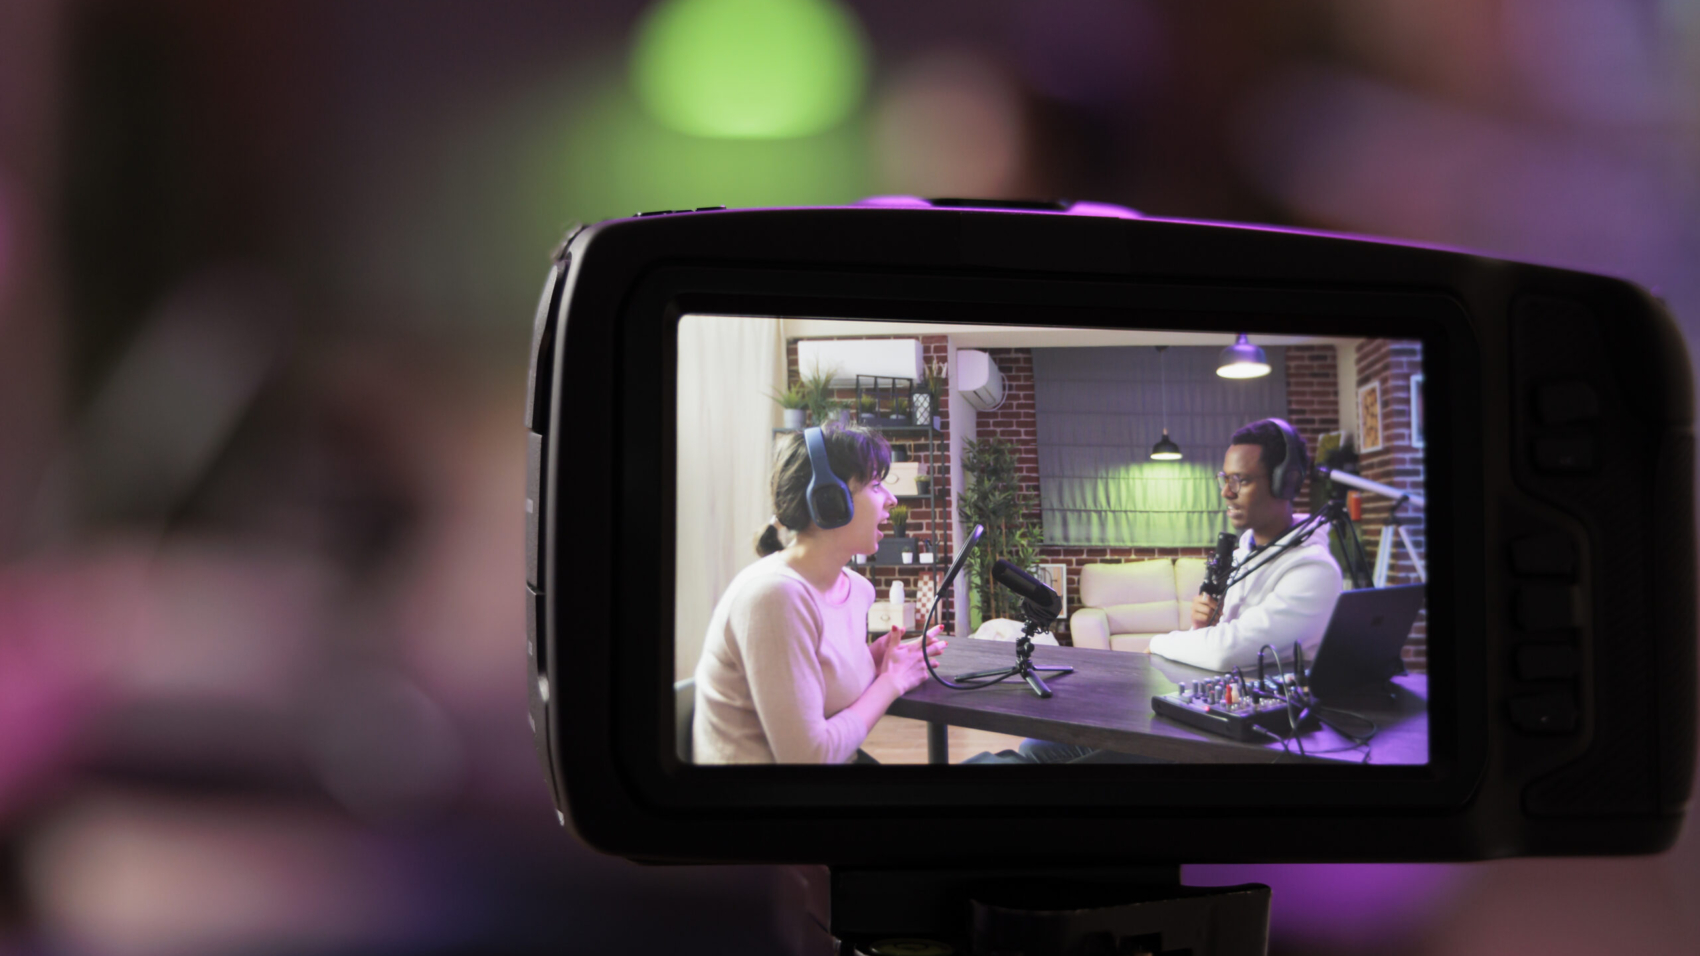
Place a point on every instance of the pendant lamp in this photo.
(1242, 360)
(1165, 449)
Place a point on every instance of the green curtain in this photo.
(1099, 411)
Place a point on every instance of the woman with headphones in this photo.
(787, 674)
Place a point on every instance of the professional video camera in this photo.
(1541, 418)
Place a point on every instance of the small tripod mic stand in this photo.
(1036, 617)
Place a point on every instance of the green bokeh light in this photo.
(606, 157)
(750, 69)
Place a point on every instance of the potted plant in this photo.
(795, 403)
(867, 406)
(923, 485)
(993, 496)
(893, 548)
(900, 408)
(817, 389)
(925, 401)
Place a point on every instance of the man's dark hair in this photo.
(1267, 436)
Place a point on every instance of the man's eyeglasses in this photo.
(1233, 483)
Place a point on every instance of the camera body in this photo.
(1560, 539)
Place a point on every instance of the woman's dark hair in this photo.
(854, 452)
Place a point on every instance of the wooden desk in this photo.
(1106, 704)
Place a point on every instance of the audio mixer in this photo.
(1255, 711)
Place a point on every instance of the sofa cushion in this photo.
(1137, 582)
(1189, 577)
(1131, 642)
(1150, 617)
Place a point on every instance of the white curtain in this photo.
(727, 366)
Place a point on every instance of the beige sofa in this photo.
(1125, 605)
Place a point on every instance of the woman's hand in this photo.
(902, 664)
(898, 669)
(884, 644)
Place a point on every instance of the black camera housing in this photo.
(1559, 416)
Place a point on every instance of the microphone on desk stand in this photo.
(1048, 603)
(1039, 607)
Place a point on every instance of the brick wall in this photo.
(1313, 396)
(1015, 422)
(1398, 463)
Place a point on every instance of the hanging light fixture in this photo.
(1242, 360)
(1165, 449)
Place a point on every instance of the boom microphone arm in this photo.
(1364, 484)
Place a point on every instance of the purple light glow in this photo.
(1332, 144)
(1351, 905)
(1089, 51)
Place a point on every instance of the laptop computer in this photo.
(1362, 643)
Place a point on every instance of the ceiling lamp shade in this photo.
(1166, 449)
(1242, 360)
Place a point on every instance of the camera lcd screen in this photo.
(1212, 545)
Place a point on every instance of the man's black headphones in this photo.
(830, 503)
(1286, 478)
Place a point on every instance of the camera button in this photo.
(540, 371)
(534, 649)
(1551, 552)
(1550, 713)
(1565, 455)
(1546, 662)
(1562, 403)
(533, 508)
(1545, 607)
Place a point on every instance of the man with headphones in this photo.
(1282, 590)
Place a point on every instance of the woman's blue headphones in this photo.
(830, 503)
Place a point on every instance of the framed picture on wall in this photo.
(1417, 410)
(1369, 418)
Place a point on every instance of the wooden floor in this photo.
(902, 740)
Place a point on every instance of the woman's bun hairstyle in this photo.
(768, 541)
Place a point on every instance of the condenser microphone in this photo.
(1220, 566)
(1029, 587)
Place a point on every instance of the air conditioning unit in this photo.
(978, 379)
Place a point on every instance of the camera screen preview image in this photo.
(911, 543)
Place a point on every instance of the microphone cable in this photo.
(932, 668)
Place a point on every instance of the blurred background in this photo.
(267, 272)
